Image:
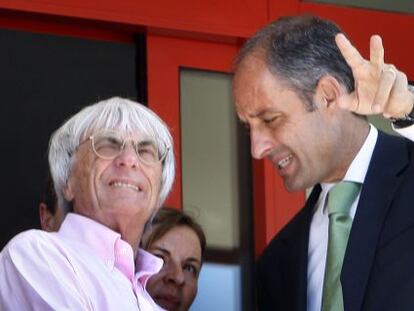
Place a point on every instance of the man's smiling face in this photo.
(118, 192)
(302, 145)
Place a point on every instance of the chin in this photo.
(292, 186)
(169, 305)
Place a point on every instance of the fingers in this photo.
(400, 101)
(379, 87)
(348, 51)
(385, 85)
(392, 98)
(376, 52)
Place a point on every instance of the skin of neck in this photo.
(132, 234)
(355, 130)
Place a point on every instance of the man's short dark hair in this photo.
(300, 50)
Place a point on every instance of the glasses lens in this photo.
(150, 151)
(107, 145)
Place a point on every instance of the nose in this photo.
(174, 274)
(128, 157)
(261, 143)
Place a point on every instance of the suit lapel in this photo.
(296, 246)
(388, 159)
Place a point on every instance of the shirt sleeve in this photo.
(35, 275)
(407, 132)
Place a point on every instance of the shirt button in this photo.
(109, 262)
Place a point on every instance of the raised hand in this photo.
(379, 88)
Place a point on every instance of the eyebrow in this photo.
(193, 259)
(147, 142)
(167, 252)
(262, 112)
(161, 249)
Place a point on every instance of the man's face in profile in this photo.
(304, 146)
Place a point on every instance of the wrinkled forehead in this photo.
(133, 131)
(137, 134)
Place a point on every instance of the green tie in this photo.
(340, 199)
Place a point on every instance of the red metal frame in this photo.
(166, 55)
(73, 27)
(229, 17)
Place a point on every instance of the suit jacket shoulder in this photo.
(380, 254)
(282, 268)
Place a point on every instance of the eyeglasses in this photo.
(110, 144)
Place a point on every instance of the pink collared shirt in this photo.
(83, 266)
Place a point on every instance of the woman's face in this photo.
(175, 286)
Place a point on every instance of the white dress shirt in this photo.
(318, 235)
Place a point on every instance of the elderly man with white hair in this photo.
(113, 165)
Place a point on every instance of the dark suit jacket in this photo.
(378, 268)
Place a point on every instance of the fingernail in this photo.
(343, 36)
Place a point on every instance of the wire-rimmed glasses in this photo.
(109, 144)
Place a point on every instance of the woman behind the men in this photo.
(180, 242)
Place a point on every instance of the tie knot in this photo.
(341, 196)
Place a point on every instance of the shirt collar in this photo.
(147, 265)
(108, 246)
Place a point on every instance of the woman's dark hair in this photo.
(168, 218)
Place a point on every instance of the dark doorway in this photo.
(44, 79)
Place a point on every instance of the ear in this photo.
(47, 220)
(68, 192)
(328, 91)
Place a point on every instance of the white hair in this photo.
(114, 113)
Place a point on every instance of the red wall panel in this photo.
(231, 17)
(278, 8)
(64, 26)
